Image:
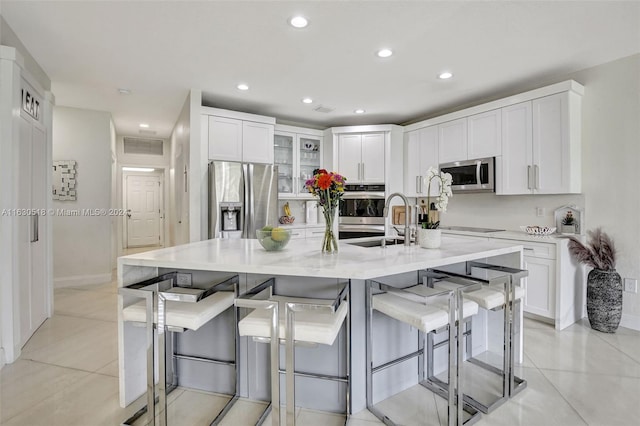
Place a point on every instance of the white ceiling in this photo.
(160, 50)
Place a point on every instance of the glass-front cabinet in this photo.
(297, 155)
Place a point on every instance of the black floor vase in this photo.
(604, 300)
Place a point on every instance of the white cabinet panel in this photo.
(225, 139)
(361, 157)
(484, 135)
(421, 152)
(540, 286)
(257, 142)
(233, 139)
(517, 149)
(372, 168)
(349, 157)
(551, 144)
(452, 141)
(541, 146)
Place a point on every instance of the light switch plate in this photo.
(631, 285)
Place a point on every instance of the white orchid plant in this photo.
(444, 180)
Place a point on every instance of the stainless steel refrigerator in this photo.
(243, 197)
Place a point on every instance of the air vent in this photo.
(143, 146)
(323, 109)
(147, 132)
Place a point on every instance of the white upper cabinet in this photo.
(257, 142)
(541, 146)
(225, 138)
(236, 136)
(484, 133)
(517, 149)
(452, 140)
(421, 152)
(297, 155)
(361, 157)
(470, 138)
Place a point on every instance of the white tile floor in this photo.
(67, 375)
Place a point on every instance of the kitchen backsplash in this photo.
(298, 210)
(505, 212)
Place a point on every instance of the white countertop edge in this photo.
(302, 258)
(515, 235)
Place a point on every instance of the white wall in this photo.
(178, 192)
(82, 244)
(610, 173)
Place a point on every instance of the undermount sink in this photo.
(376, 243)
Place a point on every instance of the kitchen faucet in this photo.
(385, 212)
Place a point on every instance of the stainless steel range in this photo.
(361, 212)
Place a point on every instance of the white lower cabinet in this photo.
(555, 287)
(303, 232)
(540, 286)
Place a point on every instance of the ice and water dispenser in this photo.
(230, 214)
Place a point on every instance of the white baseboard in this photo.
(630, 321)
(80, 280)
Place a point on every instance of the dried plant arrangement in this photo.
(599, 252)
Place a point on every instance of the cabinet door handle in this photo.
(536, 174)
(418, 184)
(529, 177)
(34, 228)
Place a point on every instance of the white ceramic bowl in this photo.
(538, 230)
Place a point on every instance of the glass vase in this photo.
(329, 241)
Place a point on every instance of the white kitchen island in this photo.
(300, 270)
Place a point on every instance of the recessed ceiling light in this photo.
(124, 91)
(385, 53)
(445, 75)
(359, 111)
(243, 86)
(307, 100)
(298, 22)
(144, 126)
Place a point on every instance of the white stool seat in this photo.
(470, 308)
(313, 326)
(488, 297)
(425, 318)
(184, 314)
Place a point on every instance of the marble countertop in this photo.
(303, 257)
(513, 235)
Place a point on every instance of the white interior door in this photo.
(32, 249)
(143, 210)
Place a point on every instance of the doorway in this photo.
(144, 212)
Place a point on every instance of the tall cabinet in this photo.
(25, 200)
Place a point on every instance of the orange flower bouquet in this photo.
(328, 187)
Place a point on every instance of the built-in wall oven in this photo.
(361, 212)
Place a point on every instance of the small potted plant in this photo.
(568, 223)
(604, 285)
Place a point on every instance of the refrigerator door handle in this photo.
(247, 199)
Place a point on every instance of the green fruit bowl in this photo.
(275, 239)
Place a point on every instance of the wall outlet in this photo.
(631, 285)
(540, 211)
(184, 280)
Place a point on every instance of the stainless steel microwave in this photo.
(471, 175)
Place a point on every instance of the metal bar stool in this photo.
(169, 308)
(497, 292)
(426, 312)
(302, 321)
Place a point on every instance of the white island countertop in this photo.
(303, 257)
